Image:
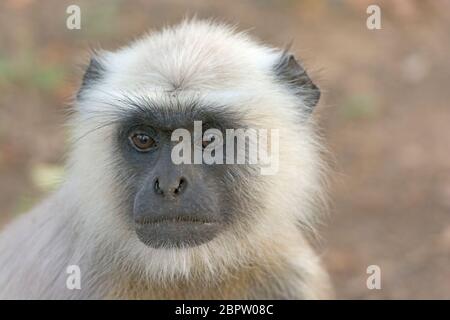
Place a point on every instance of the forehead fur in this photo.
(195, 61)
(194, 55)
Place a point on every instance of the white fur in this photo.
(80, 224)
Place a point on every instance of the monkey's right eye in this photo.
(142, 141)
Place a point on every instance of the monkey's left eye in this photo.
(207, 140)
(142, 141)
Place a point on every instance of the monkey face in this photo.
(139, 95)
(172, 204)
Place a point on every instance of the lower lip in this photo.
(169, 233)
(176, 222)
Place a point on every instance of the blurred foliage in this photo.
(359, 106)
(29, 72)
(101, 20)
(47, 177)
(25, 203)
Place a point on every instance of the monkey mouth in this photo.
(175, 220)
(176, 232)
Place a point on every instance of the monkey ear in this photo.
(94, 73)
(291, 73)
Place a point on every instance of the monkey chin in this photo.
(176, 234)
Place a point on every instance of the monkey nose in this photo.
(174, 188)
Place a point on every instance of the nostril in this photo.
(181, 186)
(156, 187)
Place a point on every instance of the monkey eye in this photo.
(142, 141)
(207, 140)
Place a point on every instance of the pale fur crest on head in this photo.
(215, 64)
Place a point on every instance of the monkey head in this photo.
(177, 217)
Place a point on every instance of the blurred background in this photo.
(384, 111)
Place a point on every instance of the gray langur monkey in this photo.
(139, 226)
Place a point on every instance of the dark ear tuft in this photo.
(94, 73)
(291, 73)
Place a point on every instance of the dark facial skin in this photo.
(172, 205)
(175, 205)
